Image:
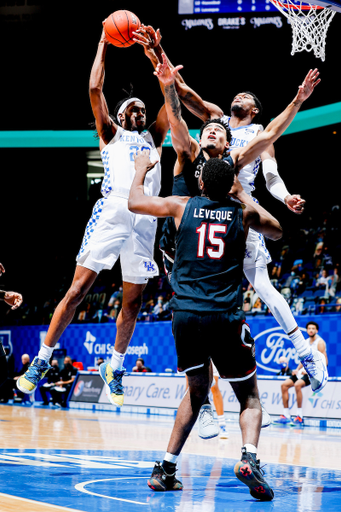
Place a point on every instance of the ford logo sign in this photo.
(271, 344)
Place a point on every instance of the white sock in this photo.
(299, 412)
(169, 457)
(45, 352)
(300, 343)
(286, 413)
(117, 360)
(221, 420)
(250, 448)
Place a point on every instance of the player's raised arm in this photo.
(138, 202)
(274, 130)
(180, 134)
(105, 126)
(150, 40)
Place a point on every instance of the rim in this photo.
(306, 7)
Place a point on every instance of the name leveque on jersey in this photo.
(219, 215)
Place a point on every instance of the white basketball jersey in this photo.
(240, 138)
(119, 167)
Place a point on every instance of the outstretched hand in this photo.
(308, 85)
(142, 161)
(147, 37)
(165, 73)
(13, 299)
(295, 203)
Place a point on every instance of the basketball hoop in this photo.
(309, 25)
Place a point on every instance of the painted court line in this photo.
(7, 499)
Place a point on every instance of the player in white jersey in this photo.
(112, 230)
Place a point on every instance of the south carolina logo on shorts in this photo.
(247, 340)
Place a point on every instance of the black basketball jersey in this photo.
(208, 268)
(187, 182)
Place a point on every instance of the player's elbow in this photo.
(276, 233)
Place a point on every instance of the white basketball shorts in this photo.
(114, 231)
(255, 252)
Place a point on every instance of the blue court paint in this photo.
(117, 480)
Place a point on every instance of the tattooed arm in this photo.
(185, 146)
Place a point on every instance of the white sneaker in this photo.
(207, 427)
(315, 366)
(266, 420)
(223, 432)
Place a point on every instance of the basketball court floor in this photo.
(74, 460)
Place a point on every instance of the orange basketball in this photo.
(119, 28)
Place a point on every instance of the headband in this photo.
(125, 104)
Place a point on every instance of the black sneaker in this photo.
(247, 470)
(161, 481)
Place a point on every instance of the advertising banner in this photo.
(154, 342)
(163, 391)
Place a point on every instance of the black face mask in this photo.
(68, 366)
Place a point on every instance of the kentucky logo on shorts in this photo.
(149, 266)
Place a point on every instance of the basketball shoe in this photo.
(162, 481)
(315, 367)
(298, 421)
(113, 381)
(37, 370)
(247, 470)
(207, 427)
(283, 420)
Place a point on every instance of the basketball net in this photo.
(309, 25)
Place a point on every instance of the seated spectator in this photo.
(335, 282)
(324, 280)
(62, 388)
(52, 377)
(284, 366)
(140, 367)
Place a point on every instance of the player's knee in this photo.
(75, 294)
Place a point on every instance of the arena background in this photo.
(47, 52)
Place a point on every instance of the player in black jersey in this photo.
(207, 280)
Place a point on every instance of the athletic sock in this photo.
(221, 421)
(169, 463)
(117, 360)
(300, 412)
(250, 448)
(300, 343)
(45, 352)
(286, 413)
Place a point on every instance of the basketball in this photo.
(119, 28)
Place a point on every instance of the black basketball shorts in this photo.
(223, 337)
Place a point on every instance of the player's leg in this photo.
(285, 386)
(193, 359)
(313, 363)
(137, 265)
(219, 407)
(299, 385)
(248, 468)
(63, 315)
(112, 373)
(163, 475)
